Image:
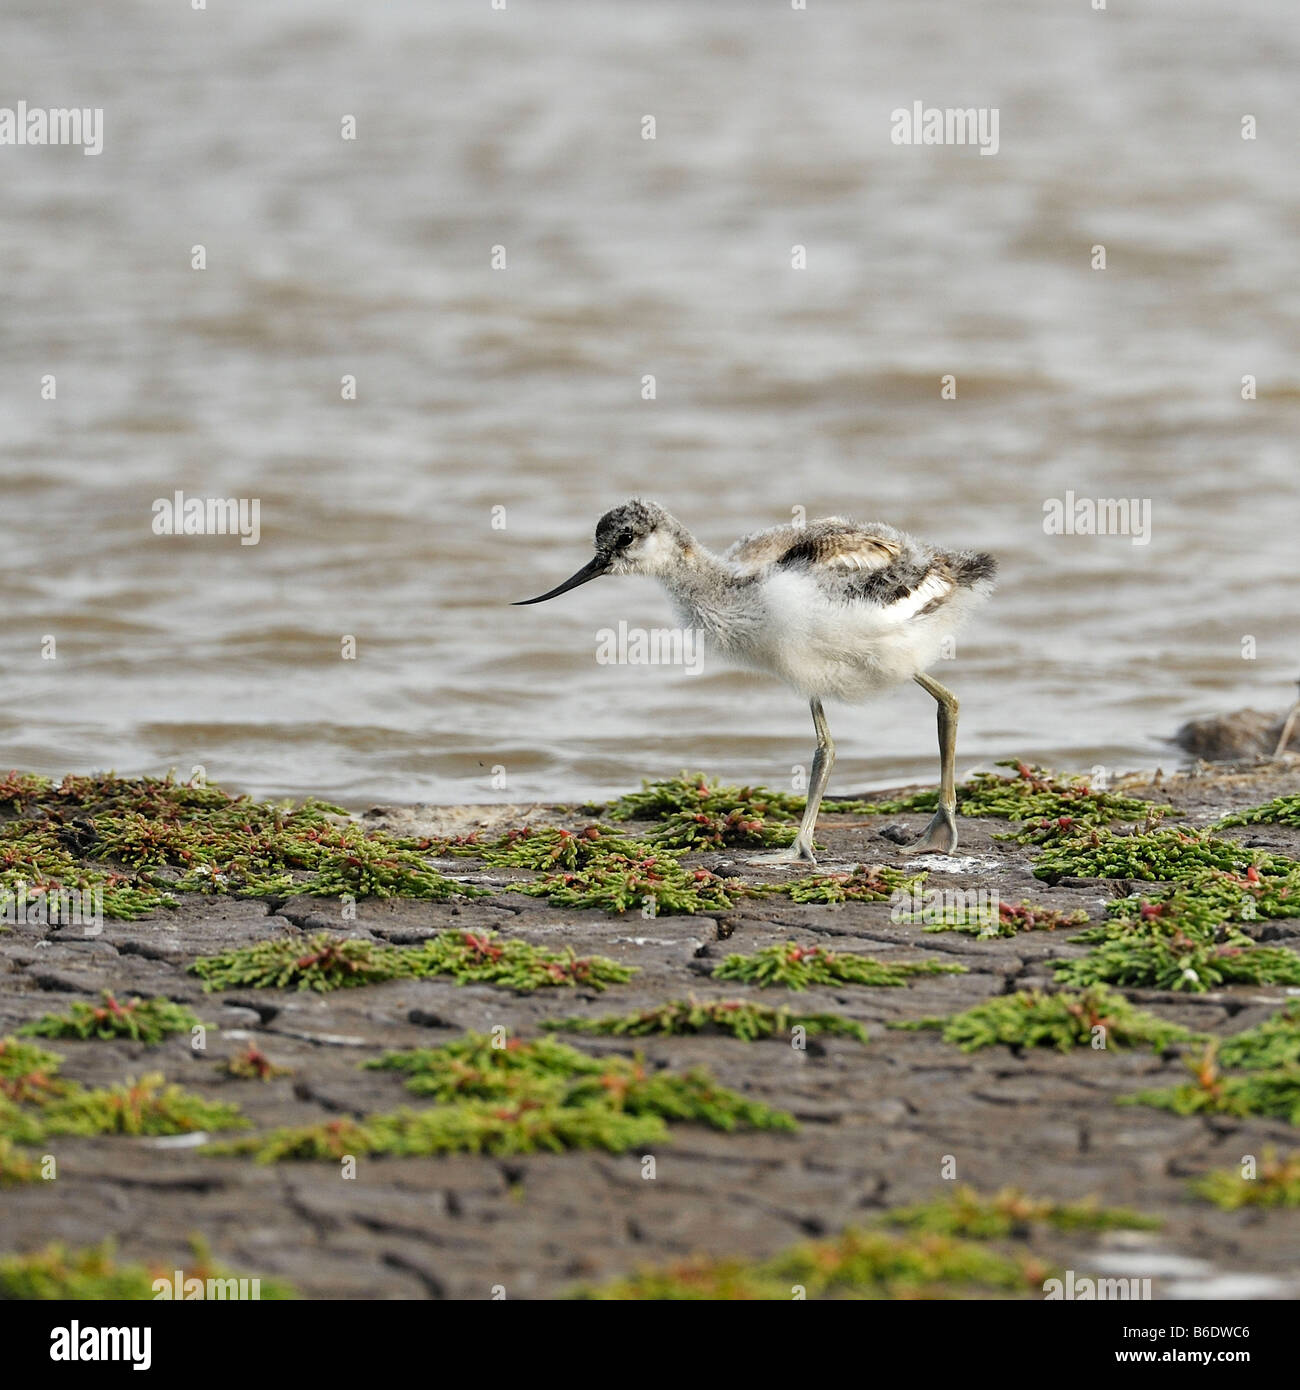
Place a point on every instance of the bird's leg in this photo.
(941, 834)
(802, 849)
(1287, 726)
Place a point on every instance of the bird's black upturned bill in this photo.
(593, 569)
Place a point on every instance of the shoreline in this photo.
(875, 1121)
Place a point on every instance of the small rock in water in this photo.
(1245, 733)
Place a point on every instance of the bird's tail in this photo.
(972, 570)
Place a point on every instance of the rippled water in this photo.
(521, 388)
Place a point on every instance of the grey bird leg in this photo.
(941, 834)
(1286, 730)
(823, 759)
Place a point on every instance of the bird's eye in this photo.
(625, 538)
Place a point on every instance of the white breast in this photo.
(844, 650)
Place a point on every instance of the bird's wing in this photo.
(831, 542)
(837, 545)
(762, 548)
(863, 562)
(875, 564)
(911, 600)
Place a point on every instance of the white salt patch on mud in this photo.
(324, 1039)
(1231, 1286)
(1128, 1254)
(957, 863)
(176, 1141)
(1150, 1264)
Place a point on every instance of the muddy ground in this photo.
(876, 1122)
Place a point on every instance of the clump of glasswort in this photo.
(16, 1166)
(36, 1102)
(1190, 939)
(20, 1061)
(1032, 1018)
(1179, 913)
(696, 812)
(552, 849)
(1009, 920)
(865, 884)
(1282, 810)
(1153, 855)
(855, 1264)
(1269, 889)
(525, 1097)
(93, 1272)
(1035, 793)
(324, 963)
(1276, 1183)
(693, 793)
(252, 1064)
(477, 1127)
(147, 1106)
(1181, 962)
(134, 839)
(485, 958)
(478, 1067)
(1273, 1092)
(597, 867)
(1011, 1212)
(737, 1017)
(1273, 1043)
(260, 850)
(142, 1020)
(797, 967)
(704, 830)
(320, 962)
(38, 870)
(619, 882)
(1255, 1072)
(546, 1071)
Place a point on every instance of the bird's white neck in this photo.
(705, 590)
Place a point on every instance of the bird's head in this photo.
(634, 538)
